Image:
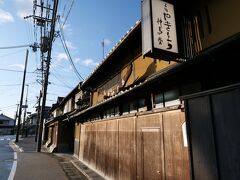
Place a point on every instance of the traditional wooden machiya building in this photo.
(59, 130)
(132, 122)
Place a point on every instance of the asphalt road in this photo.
(6, 156)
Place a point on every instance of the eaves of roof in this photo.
(178, 67)
(114, 49)
(61, 117)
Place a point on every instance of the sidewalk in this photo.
(32, 165)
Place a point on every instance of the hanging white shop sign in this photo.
(158, 28)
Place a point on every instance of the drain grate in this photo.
(72, 172)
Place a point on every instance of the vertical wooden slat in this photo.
(112, 149)
(87, 143)
(92, 150)
(76, 139)
(202, 139)
(101, 147)
(82, 142)
(226, 116)
(127, 148)
(176, 158)
(146, 153)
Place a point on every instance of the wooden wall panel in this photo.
(149, 147)
(161, 64)
(77, 131)
(82, 142)
(76, 139)
(127, 148)
(143, 68)
(144, 147)
(176, 155)
(92, 150)
(101, 147)
(213, 119)
(202, 139)
(112, 149)
(49, 134)
(55, 134)
(87, 143)
(227, 136)
(95, 98)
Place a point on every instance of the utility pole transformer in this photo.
(49, 50)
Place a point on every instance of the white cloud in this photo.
(70, 45)
(61, 56)
(5, 17)
(24, 7)
(20, 66)
(70, 67)
(67, 28)
(76, 60)
(22, 14)
(107, 42)
(89, 62)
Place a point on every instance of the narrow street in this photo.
(6, 156)
(20, 161)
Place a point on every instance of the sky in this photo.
(89, 23)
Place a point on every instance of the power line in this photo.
(68, 13)
(34, 46)
(12, 70)
(61, 35)
(18, 51)
(61, 80)
(12, 47)
(15, 84)
(14, 106)
(59, 85)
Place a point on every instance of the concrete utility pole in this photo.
(20, 106)
(38, 115)
(16, 115)
(25, 113)
(52, 32)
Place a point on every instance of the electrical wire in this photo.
(61, 35)
(16, 84)
(12, 47)
(12, 70)
(68, 13)
(61, 81)
(59, 75)
(9, 54)
(52, 83)
(13, 106)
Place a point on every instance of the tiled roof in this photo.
(112, 50)
(5, 118)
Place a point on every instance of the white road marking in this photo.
(14, 167)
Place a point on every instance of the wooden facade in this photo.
(128, 118)
(136, 147)
(214, 151)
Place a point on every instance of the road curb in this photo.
(15, 147)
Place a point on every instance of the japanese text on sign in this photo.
(164, 28)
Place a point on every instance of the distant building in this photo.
(6, 125)
(31, 122)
